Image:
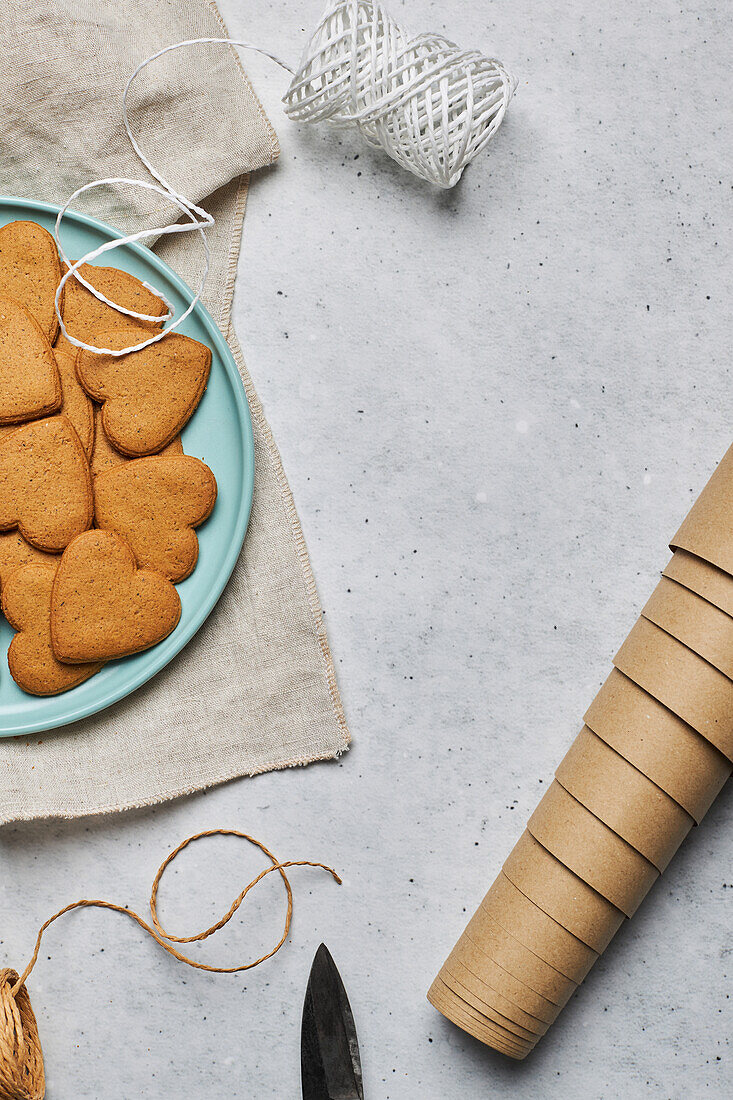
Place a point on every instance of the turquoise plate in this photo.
(220, 433)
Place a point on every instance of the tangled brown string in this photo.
(21, 1058)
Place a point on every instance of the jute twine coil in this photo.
(22, 1074)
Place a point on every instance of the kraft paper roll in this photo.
(487, 1010)
(451, 1004)
(594, 852)
(685, 683)
(695, 622)
(512, 998)
(510, 1031)
(623, 798)
(454, 1008)
(491, 939)
(516, 914)
(461, 979)
(561, 894)
(707, 530)
(466, 955)
(451, 1008)
(671, 753)
(476, 1031)
(703, 578)
(476, 992)
(656, 748)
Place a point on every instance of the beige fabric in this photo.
(255, 689)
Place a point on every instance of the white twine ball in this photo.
(429, 104)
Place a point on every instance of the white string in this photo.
(200, 221)
(431, 106)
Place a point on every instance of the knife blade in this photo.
(330, 1064)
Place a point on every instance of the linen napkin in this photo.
(255, 689)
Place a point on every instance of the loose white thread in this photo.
(199, 221)
(431, 106)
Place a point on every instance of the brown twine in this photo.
(21, 1058)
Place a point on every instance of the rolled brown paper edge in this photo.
(706, 531)
(702, 578)
(571, 838)
(547, 938)
(479, 958)
(644, 731)
(511, 951)
(623, 798)
(514, 999)
(449, 995)
(694, 621)
(477, 1013)
(490, 939)
(667, 670)
(477, 993)
(485, 1008)
(592, 918)
(457, 1018)
(476, 1028)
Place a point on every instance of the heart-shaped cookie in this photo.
(26, 601)
(147, 396)
(45, 484)
(16, 552)
(85, 317)
(103, 606)
(30, 271)
(74, 403)
(155, 503)
(106, 457)
(29, 378)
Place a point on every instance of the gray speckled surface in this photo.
(494, 406)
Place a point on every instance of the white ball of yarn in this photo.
(430, 105)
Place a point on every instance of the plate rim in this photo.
(244, 510)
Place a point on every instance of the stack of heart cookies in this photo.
(98, 502)
(655, 750)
